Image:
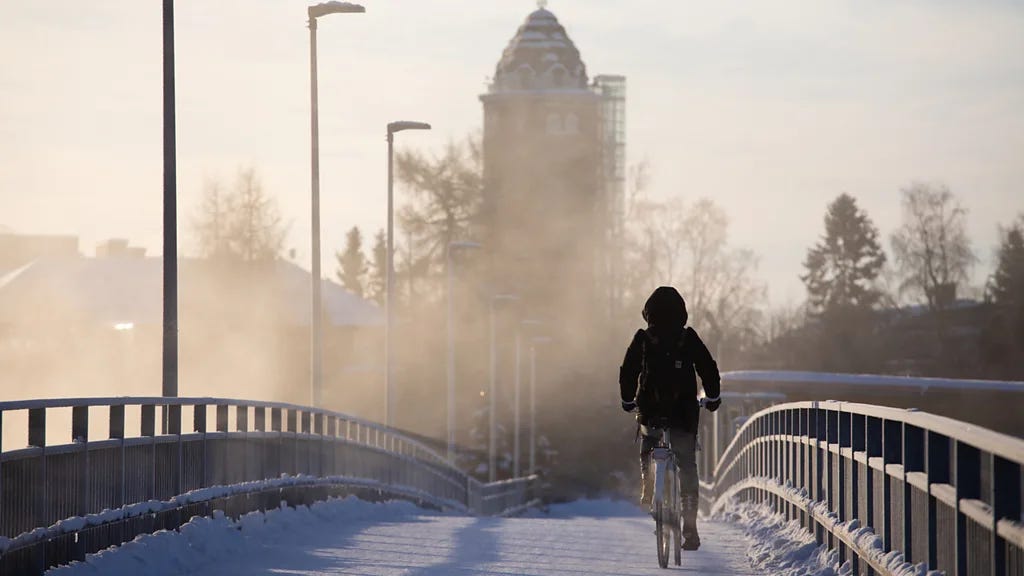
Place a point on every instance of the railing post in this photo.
(937, 466)
(117, 432)
(913, 461)
(293, 428)
(37, 438)
(147, 429)
(199, 425)
(873, 449)
(967, 465)
(173, 426)
(222, 417)
(80, 434)
(892, 453)
(1006, 503)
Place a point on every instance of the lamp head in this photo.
(406, 125)
(334, 7)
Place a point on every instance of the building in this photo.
(554, 164)
(72, 325)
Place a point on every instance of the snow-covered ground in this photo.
(352, 537)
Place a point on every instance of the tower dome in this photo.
(540, 57)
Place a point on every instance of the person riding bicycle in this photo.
(657, 379)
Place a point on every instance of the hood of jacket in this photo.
(665, 311)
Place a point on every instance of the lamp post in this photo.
(170, 264)
(533, 399)
(518, 386)
(492, 443)
(389, 290)
(315, 12)
(452, 247)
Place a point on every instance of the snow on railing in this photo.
(162, 460)
(894, 491)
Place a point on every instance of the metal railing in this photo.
(160, 460)
(870, 480)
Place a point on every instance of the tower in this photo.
(553, 159)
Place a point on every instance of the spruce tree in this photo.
(352, 266)
(375, 284)
(843, 265)
(1006, 286)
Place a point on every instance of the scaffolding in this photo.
(612, 90)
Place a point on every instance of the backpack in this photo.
(661, 376)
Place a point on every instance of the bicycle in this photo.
(666, 506)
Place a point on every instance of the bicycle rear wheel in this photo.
(677, 515)
(662, 531)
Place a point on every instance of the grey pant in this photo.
(684, 446)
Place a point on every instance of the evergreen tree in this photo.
(841, 272)
(375, 284)
(352, 267)
(1006, 286)
(843, 265)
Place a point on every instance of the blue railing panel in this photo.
(943, 493)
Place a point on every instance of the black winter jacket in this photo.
(666, 315)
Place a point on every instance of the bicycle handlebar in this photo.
(701, 403)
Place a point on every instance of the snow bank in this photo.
(76, 523)
(784, 548)
(203, 541)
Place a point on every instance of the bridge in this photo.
(884, 488)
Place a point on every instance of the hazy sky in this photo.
(770, 108)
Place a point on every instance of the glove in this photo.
(713, 405)
(628, 406)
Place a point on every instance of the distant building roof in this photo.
(121, 290)
(540, 57)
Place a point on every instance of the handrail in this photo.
(883, 485)
(870, 380)
(88, 402)
(1003, 445)
(48, 490)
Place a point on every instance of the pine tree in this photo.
(375, 284)
(843, 265)
(352, 267)
(1006, 286)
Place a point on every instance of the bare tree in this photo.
(933, 253)
(242, 223)
(688, 247)
(447, 192)
(212, 220)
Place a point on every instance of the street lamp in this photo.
(315, 12)
(533, 399)
(389, 279)
(518, 380)
(492, 444)
(452, 247)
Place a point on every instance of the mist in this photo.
(604, 155)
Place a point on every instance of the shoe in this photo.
(691, 543)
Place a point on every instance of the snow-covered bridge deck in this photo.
(358, 538)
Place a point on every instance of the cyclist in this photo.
(657, 379)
